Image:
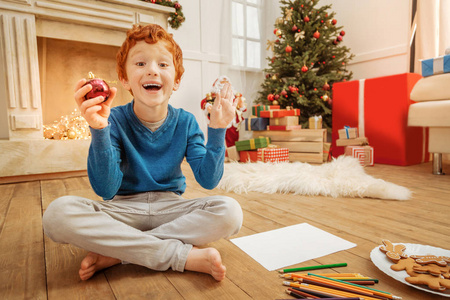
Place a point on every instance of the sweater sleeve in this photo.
(104, 171)
(208, 165)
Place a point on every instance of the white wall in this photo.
(377, 32)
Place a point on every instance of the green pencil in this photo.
(313, 268)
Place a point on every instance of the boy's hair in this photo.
(151, 34)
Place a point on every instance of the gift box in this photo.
(284, 127)
(437, 65)
(273, 154)
(326, 152)
(315, 122)
(359, 141)
(248, 156)
(278, 113)
(348, 133)
(252, 144)
(378, 107)
(256, 109)
(256, 124)
(232, 153)
(363, 153)
(285, 121)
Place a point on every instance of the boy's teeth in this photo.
(152, 85)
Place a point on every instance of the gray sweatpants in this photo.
(155, 229)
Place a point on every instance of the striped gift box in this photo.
(273, 154)
(363, 153)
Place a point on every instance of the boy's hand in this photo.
(95, 111)
(224, 108)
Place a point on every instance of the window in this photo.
(246, 43)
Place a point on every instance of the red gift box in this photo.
(379, 108)
(273, 154)
(284, 127)
(278, 113)
(248, 156)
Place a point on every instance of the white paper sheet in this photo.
(290, 245)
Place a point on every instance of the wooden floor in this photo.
(34, 267)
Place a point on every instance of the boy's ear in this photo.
(176, 84)
(125, 84)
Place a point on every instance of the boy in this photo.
(134, 163)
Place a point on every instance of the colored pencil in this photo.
(306, 295)
(368, 282)
(313, 268)
(325, 291)
(295, 294)
(333, 283)
(376, 292)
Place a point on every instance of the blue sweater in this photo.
(126, 157)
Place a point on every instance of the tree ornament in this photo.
(334, 21)
(294, 28)
(288, 49)
(326, 87)
(274, 77)
(288, 13)
(299, 35)
(330, 102)
(306, 19)
(325, 97)
(304, 69)
(316, 34)
(339, 38)
(342, 33)
(335, 42)
(278, 32)
(71, 134)
(270, 97)
(270, 45)
(276, 97)
(283, 93)
(99, 88)
(275, 102)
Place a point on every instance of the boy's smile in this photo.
(151, 78)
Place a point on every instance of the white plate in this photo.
(384, 264)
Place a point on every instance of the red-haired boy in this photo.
(135, 164)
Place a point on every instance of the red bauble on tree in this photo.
(306, 19)
(304, 69)
(326, 87)
(270, 97)
(316, 34)
(334, 21)
(288, 49)
(342, 33)
(294, 28)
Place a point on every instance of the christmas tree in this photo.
(307, 60)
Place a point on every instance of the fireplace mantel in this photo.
(22, 146)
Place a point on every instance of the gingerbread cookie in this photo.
(406, 264)
(431, 259)
(433, 269)
(393, 252)
(433, 282)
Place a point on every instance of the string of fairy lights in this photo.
(68, 127)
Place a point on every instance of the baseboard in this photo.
(47, 176)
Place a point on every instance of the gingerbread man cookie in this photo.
(433, 282)
(393, 252)
(433, 269)
(431, 259)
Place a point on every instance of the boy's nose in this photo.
(152, 69)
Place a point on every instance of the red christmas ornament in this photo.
(316, 34)
(276, 97)
(288, 49)
(335, 42)
(177, 5)
(339, 38)
(294, 28)
(304, 69)
(334, 21)
(270, 97)
(283, 93)
(342, 33)
(326, 87)
(306, 19)
(99, 88)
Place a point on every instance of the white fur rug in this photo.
(342, 177)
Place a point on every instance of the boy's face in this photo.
(151, 75)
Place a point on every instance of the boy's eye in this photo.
(140, 64)
(163, 65)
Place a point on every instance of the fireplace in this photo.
(45, 47)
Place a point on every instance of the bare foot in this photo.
(207, 260)
(94, 262)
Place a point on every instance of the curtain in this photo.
(433, 30)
